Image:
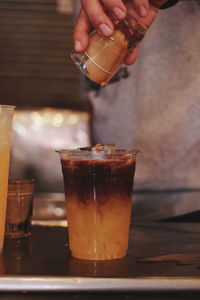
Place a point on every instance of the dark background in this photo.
(35, 65)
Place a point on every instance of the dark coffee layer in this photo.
(99, 180)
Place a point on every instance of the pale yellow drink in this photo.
(6, 115)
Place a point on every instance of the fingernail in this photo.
(77, 46)
(105, 29)
(142, 11)
(119, 13)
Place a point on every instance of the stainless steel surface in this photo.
(43, 262)
(47, 284)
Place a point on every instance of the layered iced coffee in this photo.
(98, 188)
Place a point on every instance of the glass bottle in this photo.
(104, 55)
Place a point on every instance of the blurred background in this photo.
(36, 69)
(38, 77)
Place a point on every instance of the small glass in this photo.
(19, 207)
(104, 55)
(98, 190)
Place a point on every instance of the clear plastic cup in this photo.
(6, 116)
(98, 190)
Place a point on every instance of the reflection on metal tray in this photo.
(42, 262)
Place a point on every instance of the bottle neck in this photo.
(132, 30)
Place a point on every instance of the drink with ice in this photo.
(98, 188)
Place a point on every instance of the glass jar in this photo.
(104, 55)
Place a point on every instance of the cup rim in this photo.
(21, 181)
(85, 153)
(8, 107)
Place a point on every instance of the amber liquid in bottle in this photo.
(106, 56)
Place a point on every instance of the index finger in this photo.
(81, 32)
(97, 17)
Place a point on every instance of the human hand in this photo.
(93, 15)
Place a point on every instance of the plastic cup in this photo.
(98, 190)
(6, 116)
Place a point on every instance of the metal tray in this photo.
(42, 262)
